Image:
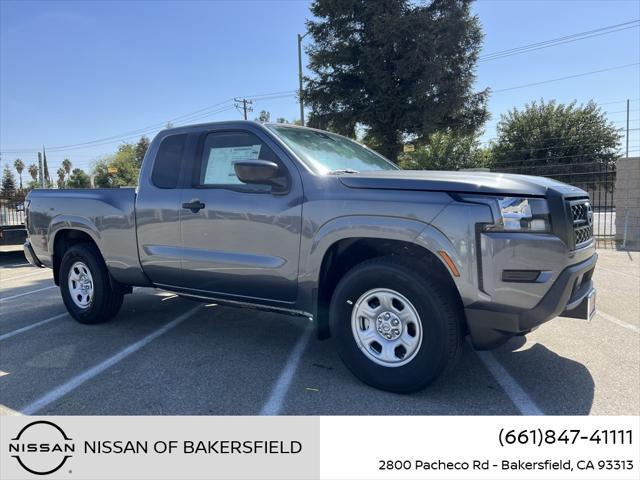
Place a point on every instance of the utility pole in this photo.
(40, 171)
(244, 104)
(300, 37)
(627, 128)
(626, 209)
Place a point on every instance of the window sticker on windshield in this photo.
(221, 161)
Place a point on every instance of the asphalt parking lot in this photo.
(167, 355)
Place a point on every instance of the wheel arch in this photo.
(348, 241)
(63, 239)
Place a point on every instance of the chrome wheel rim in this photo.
(386, 327)
(80, 285)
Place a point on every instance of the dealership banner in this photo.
(364, 447)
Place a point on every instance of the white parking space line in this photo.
(29, 327)
(83, 377)
(617, 321)
(274, 403)
(8, 412)
(522, 401)
(20, 276)
(4, 299)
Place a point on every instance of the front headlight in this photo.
(519, 214)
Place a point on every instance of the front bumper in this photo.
(30, 255)
(490, 325)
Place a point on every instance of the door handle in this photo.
(194, 205)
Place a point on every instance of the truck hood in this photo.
(461, 182)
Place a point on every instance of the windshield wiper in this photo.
(342, 170)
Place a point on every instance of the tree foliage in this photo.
(141, 149)
(62, 174)
(33, 171)
(124, 168)
(8, 183)
(18, 164)
(78, 179)
(45, 169)
(564, 141)
(445, 151)
(67, 165)
(398, 68)
(264, 116)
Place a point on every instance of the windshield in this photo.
(329, 153)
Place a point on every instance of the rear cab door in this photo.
(158, 207)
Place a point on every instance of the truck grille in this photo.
(582, 217)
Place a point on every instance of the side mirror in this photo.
(261, 172)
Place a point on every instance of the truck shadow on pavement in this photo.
(13, 259)
(556, 384)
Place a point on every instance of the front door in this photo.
(240, 242)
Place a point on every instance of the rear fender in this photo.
(72, 222)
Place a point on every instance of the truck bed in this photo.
(107, 215)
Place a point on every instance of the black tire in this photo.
(106, 302)
(440, 314)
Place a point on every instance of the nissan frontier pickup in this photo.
(397, 266)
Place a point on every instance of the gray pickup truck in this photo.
(397, 266)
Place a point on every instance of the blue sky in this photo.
(73, 72)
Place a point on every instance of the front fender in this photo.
(365, 226)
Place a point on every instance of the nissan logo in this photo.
(41, 447)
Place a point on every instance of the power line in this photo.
(563, 137)
(560, 40)
(567, 77)
(244, 104)
(535, 147)
(188, 117)
(619, 101)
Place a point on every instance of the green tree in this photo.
(33, 171)
(141, 148)
(123, 165)
(66, 164)
(445, 151)
(395, 67)
(79, 179)
(563, 141)
(62, 174)
(45, 169)
(264, 116)
(19, 166)
(8, 183)
(281, 120)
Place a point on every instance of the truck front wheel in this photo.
(85, 287)
(395, 328)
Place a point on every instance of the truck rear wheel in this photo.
(395, 328)
(84, 283)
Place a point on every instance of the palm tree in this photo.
(61, 174)
(66, 164)
(33, 171)
(19, 166)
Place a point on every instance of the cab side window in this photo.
(166, 168)
(221, 151)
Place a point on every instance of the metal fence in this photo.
(598, 178)
(11, 211)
